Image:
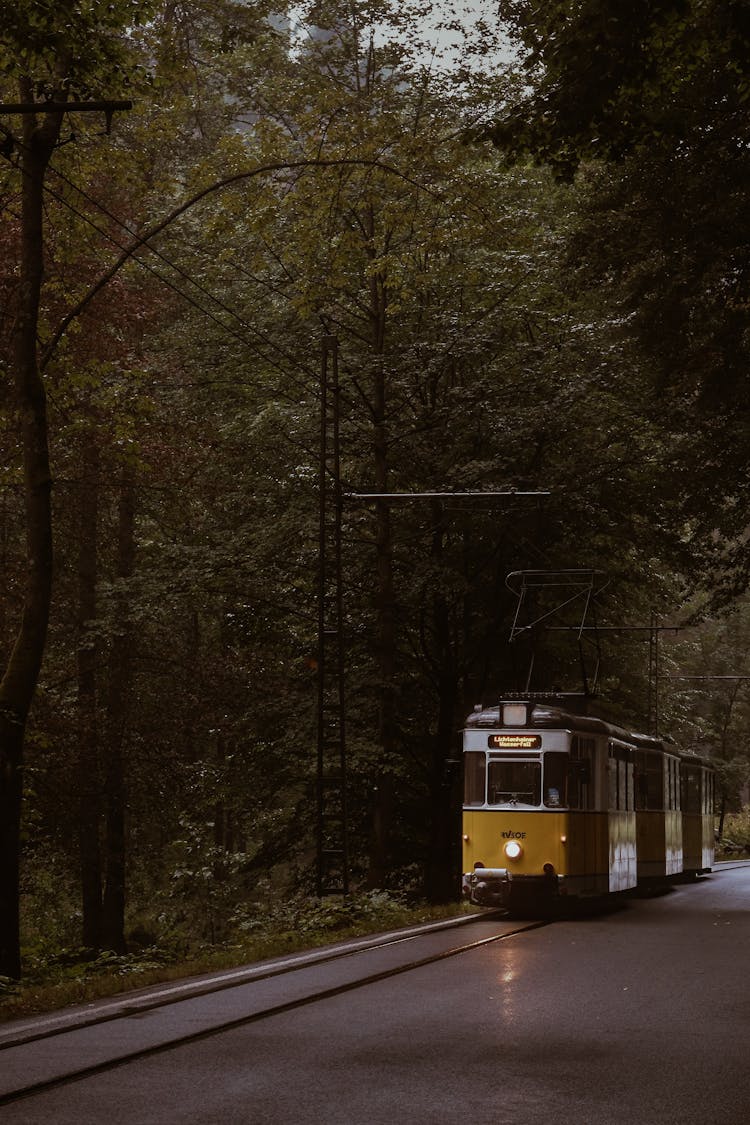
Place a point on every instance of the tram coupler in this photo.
(487, 886)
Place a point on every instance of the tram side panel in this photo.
(622, 838)
(696, 799)
(658, 816)
(595, 840)
(708, 838)
(585, 864)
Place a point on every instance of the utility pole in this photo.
(332, 843)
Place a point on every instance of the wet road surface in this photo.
(641, 1015)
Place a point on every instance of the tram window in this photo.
(629, 786)
(620, 777)
(612, 780)
(514, 783)
(580, 787)
(691, 790)
(474, 772)
(582, 747)
(649, 792)
(556, 786)
(622, 784)
(708, 792)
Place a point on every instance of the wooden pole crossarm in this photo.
(20, 108)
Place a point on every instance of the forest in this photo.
(527, 228)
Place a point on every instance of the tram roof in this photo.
(550, 715)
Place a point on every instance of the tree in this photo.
(44, 47)
(650, 102)
(285, 195)
(606, 81)
(706, 695)
(464, 366)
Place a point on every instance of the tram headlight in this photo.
(513, 849)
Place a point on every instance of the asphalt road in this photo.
(639, 1016)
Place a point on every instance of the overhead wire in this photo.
(267, 340)
(188, 277)
(175, 288)
(203, 289)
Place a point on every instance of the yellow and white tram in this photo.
(559, 804)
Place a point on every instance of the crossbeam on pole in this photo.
(21, 108)
(509, 493)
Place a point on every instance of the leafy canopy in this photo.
(608, 77)
(79, 47)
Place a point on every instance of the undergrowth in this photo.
(736, 838)
(254, 932)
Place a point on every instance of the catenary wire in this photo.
(181, 272)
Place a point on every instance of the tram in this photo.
(560, 805)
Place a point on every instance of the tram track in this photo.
(138, 1002)
(65, 1039)
(11, 1091)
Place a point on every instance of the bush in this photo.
(256, 930)
(736, 838)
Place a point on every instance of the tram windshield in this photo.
(514, 782)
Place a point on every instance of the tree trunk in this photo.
(118, 701)
(443, 861)
(442, 865)
(382, 795)
(89, 778)
(19, 680)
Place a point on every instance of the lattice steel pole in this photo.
(332, 829)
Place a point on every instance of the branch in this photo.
(144, 239)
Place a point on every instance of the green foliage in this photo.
(49, 912)
(736, 838)
(653, 99)
(358, 913)
(271, 927)
(706, 703)
(80, 48)
(608, 78)
(475, 354)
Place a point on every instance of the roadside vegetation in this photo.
(735, 841)
(57, 976)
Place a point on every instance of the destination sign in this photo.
(514, 741)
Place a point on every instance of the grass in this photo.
(77, 977)
(736, 838)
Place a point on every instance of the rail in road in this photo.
(40, 1055)
(45, 1053)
